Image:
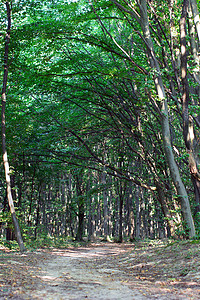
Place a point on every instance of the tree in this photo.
(99, 91)
(3, 124)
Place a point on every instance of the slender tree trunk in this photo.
(5, 157)
(80, 231)
(165, 210)
(195, 12)
(196, 185)
(188, 128)
(116, 216)
(70, 220)
(31, 198)
(105, 202)
(174, 171)
(130, 216)
(38, 211)
(44, 210)
(194, 45)
(121, 201)
(186, 95)
(89, 225)
(137, 213)
(81, 207)
(120, 215)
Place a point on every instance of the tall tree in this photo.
(3, 124)
(181, 191)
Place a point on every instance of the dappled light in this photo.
(91, 252)
(137, 271)
(100, 147)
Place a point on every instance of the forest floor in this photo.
(143, 270)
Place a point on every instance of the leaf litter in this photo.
(142, 270)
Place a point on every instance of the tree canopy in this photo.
(102, 118)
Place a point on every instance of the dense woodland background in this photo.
(102, 119)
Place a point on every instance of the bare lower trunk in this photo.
(80, 231)
(166, 212)
(137, 213)
(120, 239)
(81, 207)
(178, 183)
(11, 204)
(196, 185)
(105, 202)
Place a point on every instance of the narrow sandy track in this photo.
(77, 274)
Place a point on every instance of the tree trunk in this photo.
(69, 228)
(174, 171)
(80, 231)
(196, 185)
(195, 12)
(89, 225)
(81, 207)
(137, 213)
(166, 212)
(120, 215)
(38, 211)
(188, 128)
(5, 157)
(31, 198)
(105, 206)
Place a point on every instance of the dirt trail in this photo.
(103, 272)
(68, 276)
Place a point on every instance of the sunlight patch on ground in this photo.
(95, 252)
(48, 278)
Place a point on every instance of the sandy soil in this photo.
(102, 272)
(68, 276)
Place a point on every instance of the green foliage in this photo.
(45, 241)
(81, 96)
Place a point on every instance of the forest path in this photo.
(103, 271)
(84, 274)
